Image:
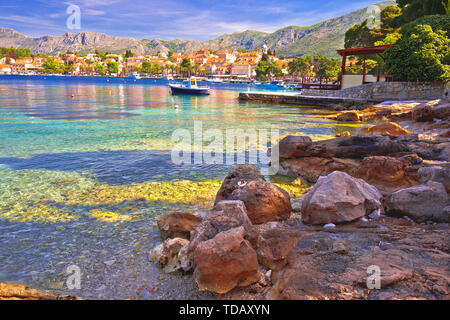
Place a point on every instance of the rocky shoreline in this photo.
(381, 198)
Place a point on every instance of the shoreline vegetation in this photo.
(377, 197)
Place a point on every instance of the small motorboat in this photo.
(276, 85)
(134, 76)
(190, 88)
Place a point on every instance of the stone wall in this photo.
(382, 91)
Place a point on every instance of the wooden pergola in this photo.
(360, 52)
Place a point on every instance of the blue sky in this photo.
(169, 19)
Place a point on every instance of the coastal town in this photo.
(225, 63)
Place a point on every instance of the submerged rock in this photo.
(225, 261)
(177, 224)
(421, 203)
(166, 254)
(339, 198)
(18, 291)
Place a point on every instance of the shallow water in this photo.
(82, 178)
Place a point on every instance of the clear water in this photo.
(85, 169)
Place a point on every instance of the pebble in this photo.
(109, 262)
(329, 226)
(375, 214)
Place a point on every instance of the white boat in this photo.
(190, 88)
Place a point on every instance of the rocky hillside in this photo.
(324, 37)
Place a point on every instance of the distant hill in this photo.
(323, 37)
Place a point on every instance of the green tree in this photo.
(186, 66)
(325, 68)
(301, 67)
(113, 67)
(421, 56)
(262, 70)
(360, 35)
(100, 69)
(129, 54)
(51, 65)
(146, 67)
(414, 9)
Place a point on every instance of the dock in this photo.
(297, 98)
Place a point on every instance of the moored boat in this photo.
(190, 88)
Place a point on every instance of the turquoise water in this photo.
(85, 168)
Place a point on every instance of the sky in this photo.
(169, 19)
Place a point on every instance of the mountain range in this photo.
(324, 37)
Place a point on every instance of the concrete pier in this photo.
(299, 99)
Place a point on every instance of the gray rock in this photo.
(421, 203)
(339, 198)
(436, 174)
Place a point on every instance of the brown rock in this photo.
(275, 245)
(17, 291)
(324, 266)
(226, 215)
(388, 174)
(423, 113)
(421, 203)
(442, 111)
(225, 262)
(348, 116)
(178, 224)
(166, 254)
(339, 198)
(388, 128)
(264, 201)
(239, 174)
(293, 146)
(311, 168)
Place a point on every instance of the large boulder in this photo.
(387, 128)
(293, 146)
(423, 113)
(225, 262)
(264, 201)
(339, 198)
(239, 174)
(421, 203)
(177, 224)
